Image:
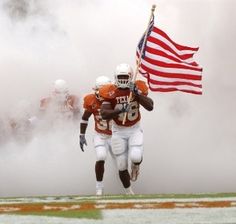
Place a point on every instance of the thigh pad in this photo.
(118, 144)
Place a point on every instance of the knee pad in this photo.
(101, 153)
(122, 162)
(118, 144)
(136, 154)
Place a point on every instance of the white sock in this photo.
(99, 184)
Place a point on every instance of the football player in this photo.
(61, 104)
(102, 136)
(127, 138)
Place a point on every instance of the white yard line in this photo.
(160, 200)
(100, 201)
(134, 216)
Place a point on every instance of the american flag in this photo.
(168, 66)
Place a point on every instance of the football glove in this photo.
(133, 88)
(125, 108)
(82, 141)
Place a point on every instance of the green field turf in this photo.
(89, 214)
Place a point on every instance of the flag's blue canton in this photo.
(140, 44)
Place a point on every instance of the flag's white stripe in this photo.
(171, 70)
(167, 42)
(167, 60)
(182, 87)
(164, 79)
(157, 47)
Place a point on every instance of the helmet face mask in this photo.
(123, 81)
(123, 76)
(100, 81)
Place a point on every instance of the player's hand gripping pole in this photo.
(139, 59)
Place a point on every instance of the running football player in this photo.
(127, 138)
(102, 136)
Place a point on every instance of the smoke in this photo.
(19, 10)
(189, 140)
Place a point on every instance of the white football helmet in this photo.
(61, 90)
(100, 81)
(123, 70)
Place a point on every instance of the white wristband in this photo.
(84, 122)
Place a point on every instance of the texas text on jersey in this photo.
(93, 105)
(117, 97)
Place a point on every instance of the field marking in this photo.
(134, 216)
(105, 199)
(220, 210)
(105, 205)
(61, 208)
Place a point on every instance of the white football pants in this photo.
(102, 144)
(127, 142)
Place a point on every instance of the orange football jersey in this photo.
(93, 105)
(69, 108)
(117, 97)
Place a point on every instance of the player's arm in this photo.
(84, 122)
(83, 127)
(43, 104)
(145, 101)
(75, 107)
(140, 91)
(107, 112)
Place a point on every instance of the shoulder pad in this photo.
(89, 100)
(73, 98)
(108, 91)
(44, 102)
(142, 86)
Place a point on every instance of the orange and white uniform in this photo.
(102, 136)
(93, 105)
(127, 138)
(55, 109)
(117, 97)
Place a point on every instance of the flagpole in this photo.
(139, 59)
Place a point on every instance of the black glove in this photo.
(125, 108)
(133, 88)
(82, 141)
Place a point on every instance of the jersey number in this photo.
(132, 114)
(102, 124)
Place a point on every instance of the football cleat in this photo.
(99, 192)
(99, 188)
(134, 172)
(129, 191)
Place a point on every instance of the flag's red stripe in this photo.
(170, 75)
(178, 46)
(174, 89)
(165, 55)
(170, 65)
(176, 83)
(168, 48)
